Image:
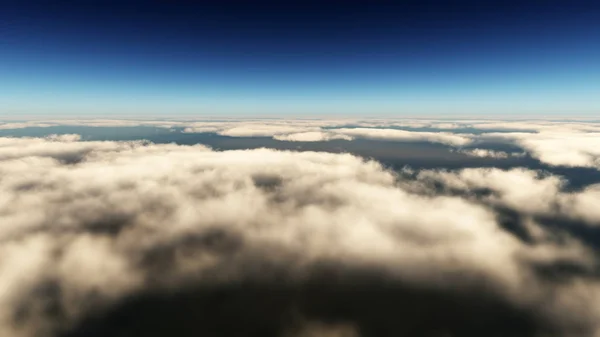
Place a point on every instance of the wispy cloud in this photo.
(485, 153)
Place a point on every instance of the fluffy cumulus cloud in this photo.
(530, 193)
(526, 191)
(556, 143)
(312, 131)
(134, 238)
(559, 148)
(403, 135)
(311, 136)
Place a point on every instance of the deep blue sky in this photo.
(401, 58)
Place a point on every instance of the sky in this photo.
(132, 217)
(383, 58)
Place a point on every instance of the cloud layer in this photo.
(552, 142)
(109, 238)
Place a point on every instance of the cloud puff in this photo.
(148, 239)
(521, 189)
(526, 191)
(574, 149)
(312, 131)
(264, 130)
(393, 134)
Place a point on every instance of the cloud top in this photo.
(94, 231)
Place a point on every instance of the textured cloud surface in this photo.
(564, 148)
(133, 238)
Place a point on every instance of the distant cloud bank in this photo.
(556, 143)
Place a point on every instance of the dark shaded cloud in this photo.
(370, 306)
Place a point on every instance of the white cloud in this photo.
(321, 131)
(393, 134)
(265, 130)
(574, 149)
(553, 142)
(520, 189)
(524, 190)
(95, 225)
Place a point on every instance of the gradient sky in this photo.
(402, 58)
